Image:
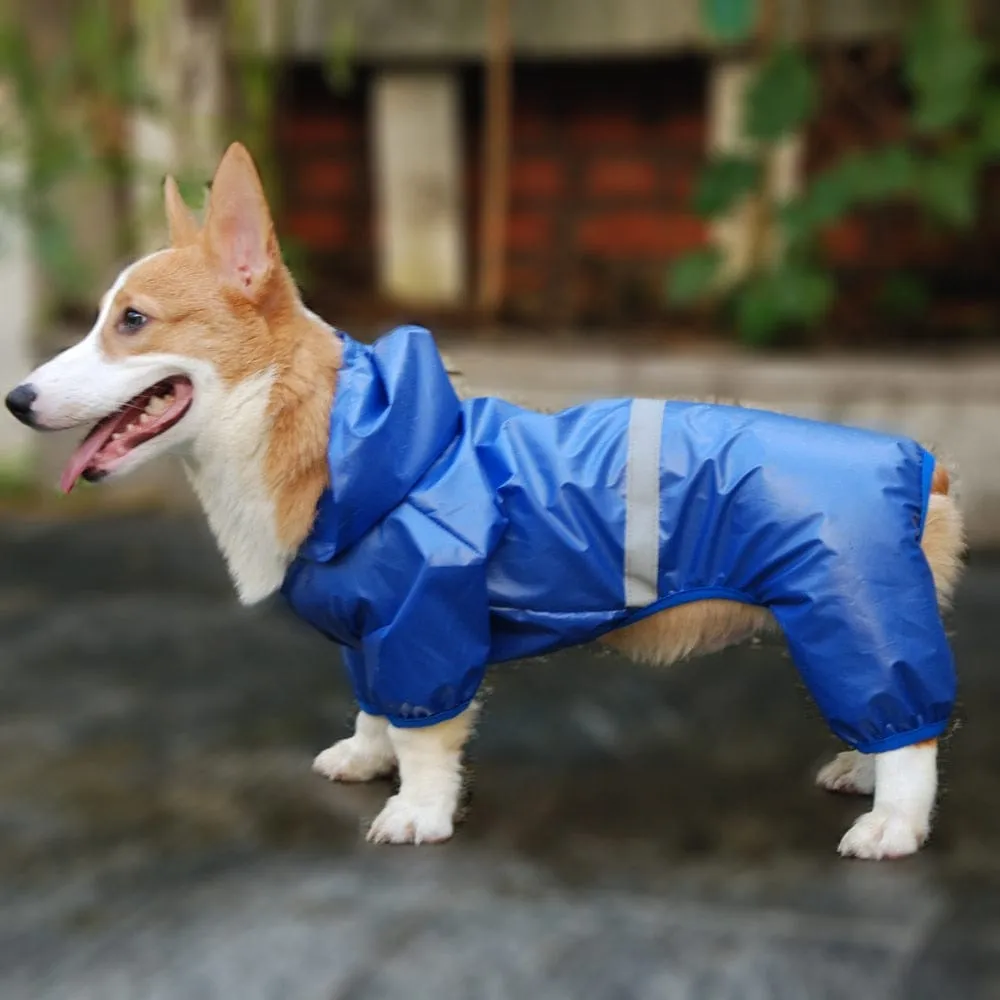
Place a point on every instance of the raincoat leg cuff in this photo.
(930, 731)
(411, 722)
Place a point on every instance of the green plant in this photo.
(952, 133)
(68, 100)
(65, 120)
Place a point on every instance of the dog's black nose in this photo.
(19, 401)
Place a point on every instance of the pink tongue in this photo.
(87, 449)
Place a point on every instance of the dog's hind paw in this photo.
(406, 822)
(353, 760)
(882, 833)
(851, 773)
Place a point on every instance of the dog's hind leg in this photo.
(900, 819)
(904, 780)
(366, 755)
(430, 782)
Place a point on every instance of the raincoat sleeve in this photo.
(424, 656)
(870, 646)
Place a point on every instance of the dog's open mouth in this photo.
(144, 417)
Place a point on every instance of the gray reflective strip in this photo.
(642, 502)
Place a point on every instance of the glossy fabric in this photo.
(459, 534)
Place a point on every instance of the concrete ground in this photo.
(631, 833)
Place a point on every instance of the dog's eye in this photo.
(132, 320)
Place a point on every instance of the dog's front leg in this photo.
(850, 772)
(430, 782)
(366, 755)
(905, 789)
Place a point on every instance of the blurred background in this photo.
(795, 203)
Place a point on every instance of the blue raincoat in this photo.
(459, 534)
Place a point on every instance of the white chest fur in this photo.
(226, 469)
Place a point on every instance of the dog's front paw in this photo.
(407, 822)
(883, 833)
(850, 772)
(353, 760)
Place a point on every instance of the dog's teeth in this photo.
(156, 405)
(144, 418)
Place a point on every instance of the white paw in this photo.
(850, 772)
(404, 822)
(882, 833)
(353, 760)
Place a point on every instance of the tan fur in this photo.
(707, 626)
(243, 323)
(944, 544)
(690, 629)
(182, 224)
(940, 481)
(296, 467)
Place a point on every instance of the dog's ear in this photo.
(180, 219)
(239, 232)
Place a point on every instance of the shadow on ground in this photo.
(631, 833)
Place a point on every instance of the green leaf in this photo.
(758, 314)
(692, 276)
(781, 97)
(338, 68)
(989, 124)
(883, 173)
(831, 194)
(806, 292)
(944, 64)
(872, 176)
(793, 294)
(947, 188)
(729, 20)
(904, 296)
(723, 182)
(828, 197)
(797, 225)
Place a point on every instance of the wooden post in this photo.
(496, 157)
(760, 207)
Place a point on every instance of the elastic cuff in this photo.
(420, 722)
(930, 731)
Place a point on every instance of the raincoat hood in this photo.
(393, 414)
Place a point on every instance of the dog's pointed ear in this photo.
(239, 232)
(180, 219)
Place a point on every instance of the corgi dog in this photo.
(205, 349)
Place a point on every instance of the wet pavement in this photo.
(631, 832)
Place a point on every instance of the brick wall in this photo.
(603, 158)
(604, 155)
(864, 104)
(324, 211)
